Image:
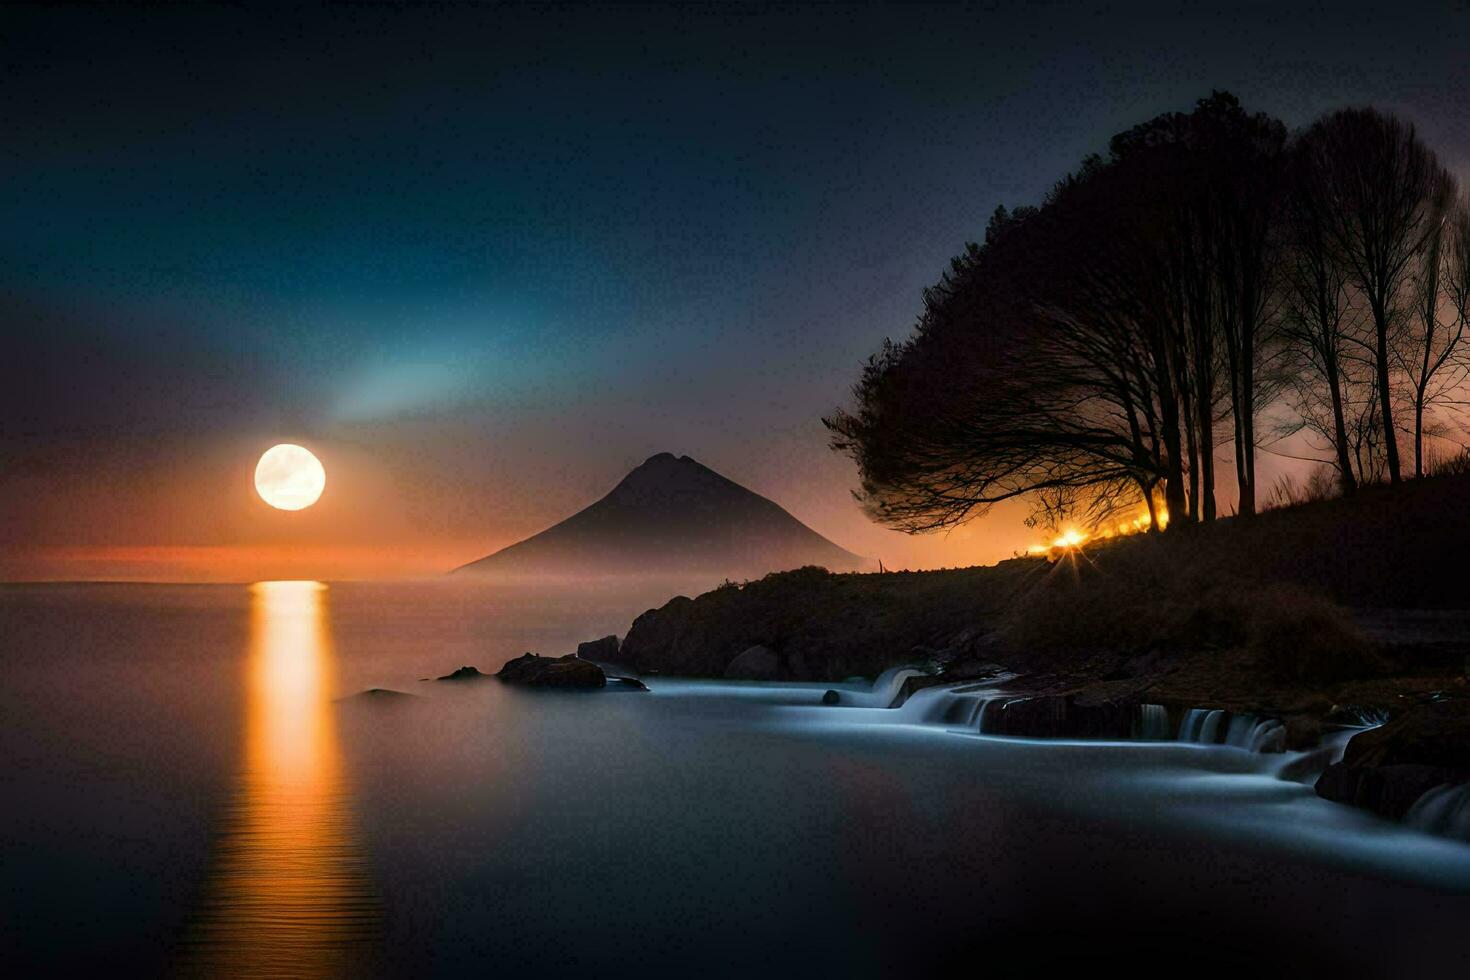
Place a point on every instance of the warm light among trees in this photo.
(1210, 278)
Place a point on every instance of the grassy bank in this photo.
(1277, 612)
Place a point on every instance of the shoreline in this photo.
(1326, 614)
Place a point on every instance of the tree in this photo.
(1430, 354)
(1316, 311)
(1076, 356)
(1376, 185)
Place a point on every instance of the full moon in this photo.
(289, 477)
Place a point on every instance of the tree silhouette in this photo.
(1379, 190)
(1089, 354)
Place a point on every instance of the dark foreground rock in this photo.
(1387, 768)
(380, 694)
(755, 663)
(464, 674)
(821, 626)
(631, 682)
(1061, 717)
(604, 650)
(571, 671)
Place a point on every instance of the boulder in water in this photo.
(631, 682)
(570, 671)
(1387, 769)
(381, 695)
(604, 650)
(831, 697)
(464, 674)
(755, 663)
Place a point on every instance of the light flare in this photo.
(1072, 539)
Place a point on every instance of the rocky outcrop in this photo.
(1386, 769)
(531, 670)
(380, 695)
(464, 674)
(755, 663)
(604, 650)
(827, 627)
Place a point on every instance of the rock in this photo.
(464, 674)
(632, 682)
(755, 663)
(1386, 769)
(1388, 791)
(831, 697)
(1060, 717)
(381, 694)
(604, 650)
(570, 671)
(974, 670)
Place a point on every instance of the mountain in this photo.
(670, 516)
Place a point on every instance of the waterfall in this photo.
(884, 690)
(1267, 736)
(1443, 810)
(939, 706)
(1366, 717)
(1203, 726)
(1239, 732)
(1209, 732)
(959, 707)
(1193, 724)
(1306, 766)
(985, 708)
(1153, 722)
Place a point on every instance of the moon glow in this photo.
(289, 477)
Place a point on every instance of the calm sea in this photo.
(190, 787)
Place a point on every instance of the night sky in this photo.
(484, 261)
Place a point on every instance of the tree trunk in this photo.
(1204, 403)
(1339, 426)
(1246, 423)
(1147, 487)
(1419, 431)
(1385, 396)
(1174, 480)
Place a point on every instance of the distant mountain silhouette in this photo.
(671, 515)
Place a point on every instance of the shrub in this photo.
(1302, 637)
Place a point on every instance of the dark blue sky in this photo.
(488, 259)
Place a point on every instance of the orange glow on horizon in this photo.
(230, 563)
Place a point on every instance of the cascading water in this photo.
(884, 690)
(1153, 723)
(948, 707)
(1306, 766)
(1209, 732)
(1203, 726)
(1193, 724)
(1443, 810)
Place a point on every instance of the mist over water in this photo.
(194, 794)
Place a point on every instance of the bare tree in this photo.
(1430, 354)
(1377, 184)
(1316, 313)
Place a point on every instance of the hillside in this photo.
(669, 516)
(1334, 571)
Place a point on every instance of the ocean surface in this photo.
(190, 787)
